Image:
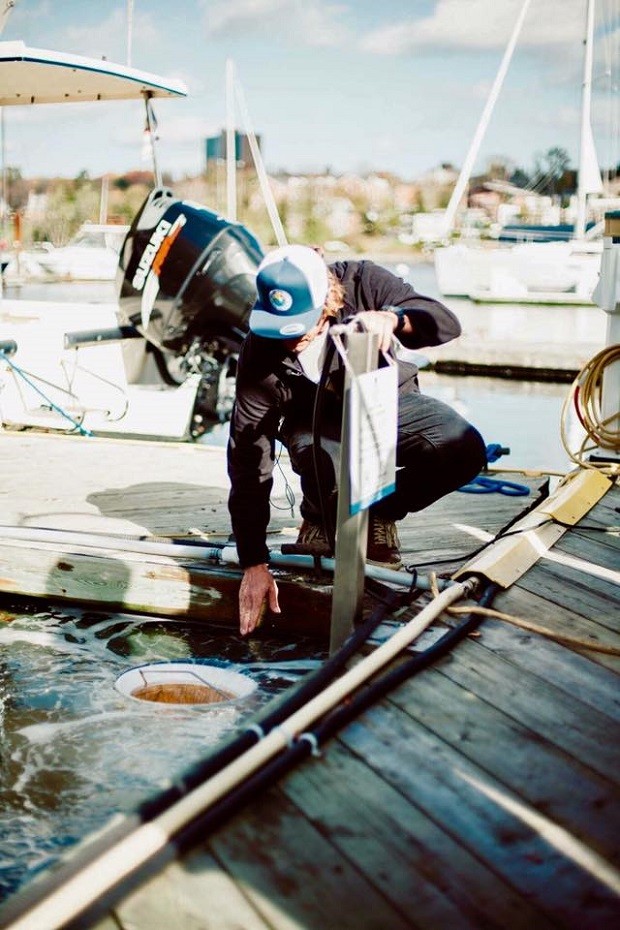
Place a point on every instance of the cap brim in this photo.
(273, 326)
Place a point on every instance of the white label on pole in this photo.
(373, 420)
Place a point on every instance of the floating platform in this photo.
(537, 298)
(482, 792)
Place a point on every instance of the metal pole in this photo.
(607, 296)
(152, 134)
(5, 12)
(3, 187)
(103, 200)
(586, 144)
(4, 192)
(351, 531)
(472, 154)
(263, 178)
(231, 143)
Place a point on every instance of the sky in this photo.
(344, 85)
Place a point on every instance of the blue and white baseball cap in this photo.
(292, 285)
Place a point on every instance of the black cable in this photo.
(390, 680)
(326, 517)
(271, 717)
(458, 557)
(348, 710)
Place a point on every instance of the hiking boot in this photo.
(311, 541)
(383, 543)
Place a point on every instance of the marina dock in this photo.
(545, 343)
(481, 792)
(457, 767)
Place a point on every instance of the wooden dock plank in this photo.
(597, 557)
(573, 673)
(145, 584)
(560, 718)
(398, 847)
(578, 592)
(533, 606)
(567, 790)
(452, 787)
(294, 877)
(194, 895)
(588, 542)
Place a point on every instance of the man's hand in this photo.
(380, 322)
(258, 588)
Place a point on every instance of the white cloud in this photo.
(481, 25)
(110, 36)
(311, 22)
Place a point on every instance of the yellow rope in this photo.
(526, 625)
(585, 396)
(541, 630)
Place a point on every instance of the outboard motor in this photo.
(186, 283)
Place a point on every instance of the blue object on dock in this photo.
(482, 484)
(495, 450)
(485, 485)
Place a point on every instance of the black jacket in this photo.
(271, 386)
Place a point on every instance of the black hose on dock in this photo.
(312, 685)
(308, 743)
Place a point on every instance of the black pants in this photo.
(437, 451)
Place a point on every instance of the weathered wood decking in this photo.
(132, 488)
(483, 793)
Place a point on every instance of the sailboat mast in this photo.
(151, 128)
(586, 128)
(466, 170)
(231, 143)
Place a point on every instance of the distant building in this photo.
(215, 148)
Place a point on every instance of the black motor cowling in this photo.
(186, 273)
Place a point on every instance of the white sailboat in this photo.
(92, 255)
(529, 272)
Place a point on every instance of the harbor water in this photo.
(76, 750)
(523, 416)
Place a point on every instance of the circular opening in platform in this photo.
(184, 683)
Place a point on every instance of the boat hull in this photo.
(557, 273)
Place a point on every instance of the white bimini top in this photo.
(37, 75)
